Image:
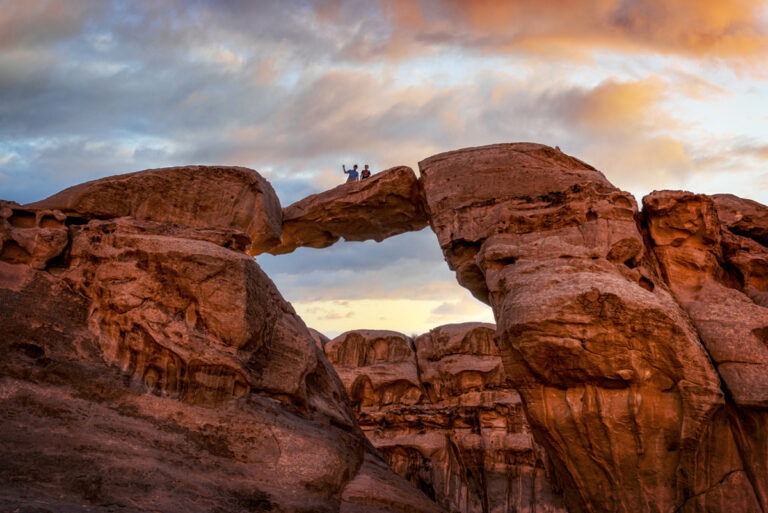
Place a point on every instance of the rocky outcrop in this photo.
(233, 199)
(375, 490)
(147, 366)
(384, 205)
(743, 217)
(31, 237)
(712, 253)
(441, 411)
(705, 268)
(615, 381)
(492, 181)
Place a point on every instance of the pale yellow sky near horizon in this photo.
(409, 316)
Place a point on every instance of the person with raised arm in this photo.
(351, 172)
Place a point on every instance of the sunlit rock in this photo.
(384, 205)
(235, 199)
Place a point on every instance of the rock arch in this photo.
(636, 339)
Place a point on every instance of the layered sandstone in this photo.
(234, 199)
(148, 366)
(615, 381)
(442, 412)
(384, 205)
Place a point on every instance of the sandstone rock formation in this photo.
(713, 254)
(443, 414)
(384, 205)
(234, 199)
(149, 366)
(615, 381)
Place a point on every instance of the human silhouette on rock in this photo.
(366, 173)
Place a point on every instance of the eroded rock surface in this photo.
(443, 414)
(615, 381)
(384, 205)
(235, 199)
(713, 255)
(149, 366)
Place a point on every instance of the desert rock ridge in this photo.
(635, 340)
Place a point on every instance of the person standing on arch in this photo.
(352, 173)
(366, 173)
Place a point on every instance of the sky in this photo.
(657, 94)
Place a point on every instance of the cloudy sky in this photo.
(655, 93)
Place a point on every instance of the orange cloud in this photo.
(643, 164)
(759, 152)
(716, 28)
(622, 106)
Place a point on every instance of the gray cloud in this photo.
(139, 85)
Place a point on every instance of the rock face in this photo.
(712, 253)
(148, 367)
(461, 184)
(384, 205)
(616, 384)
(234, 199)
(444, 416)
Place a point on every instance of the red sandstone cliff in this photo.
(605, 351)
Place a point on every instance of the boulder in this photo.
(382, 206)
(470, 194)
(235, 199)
